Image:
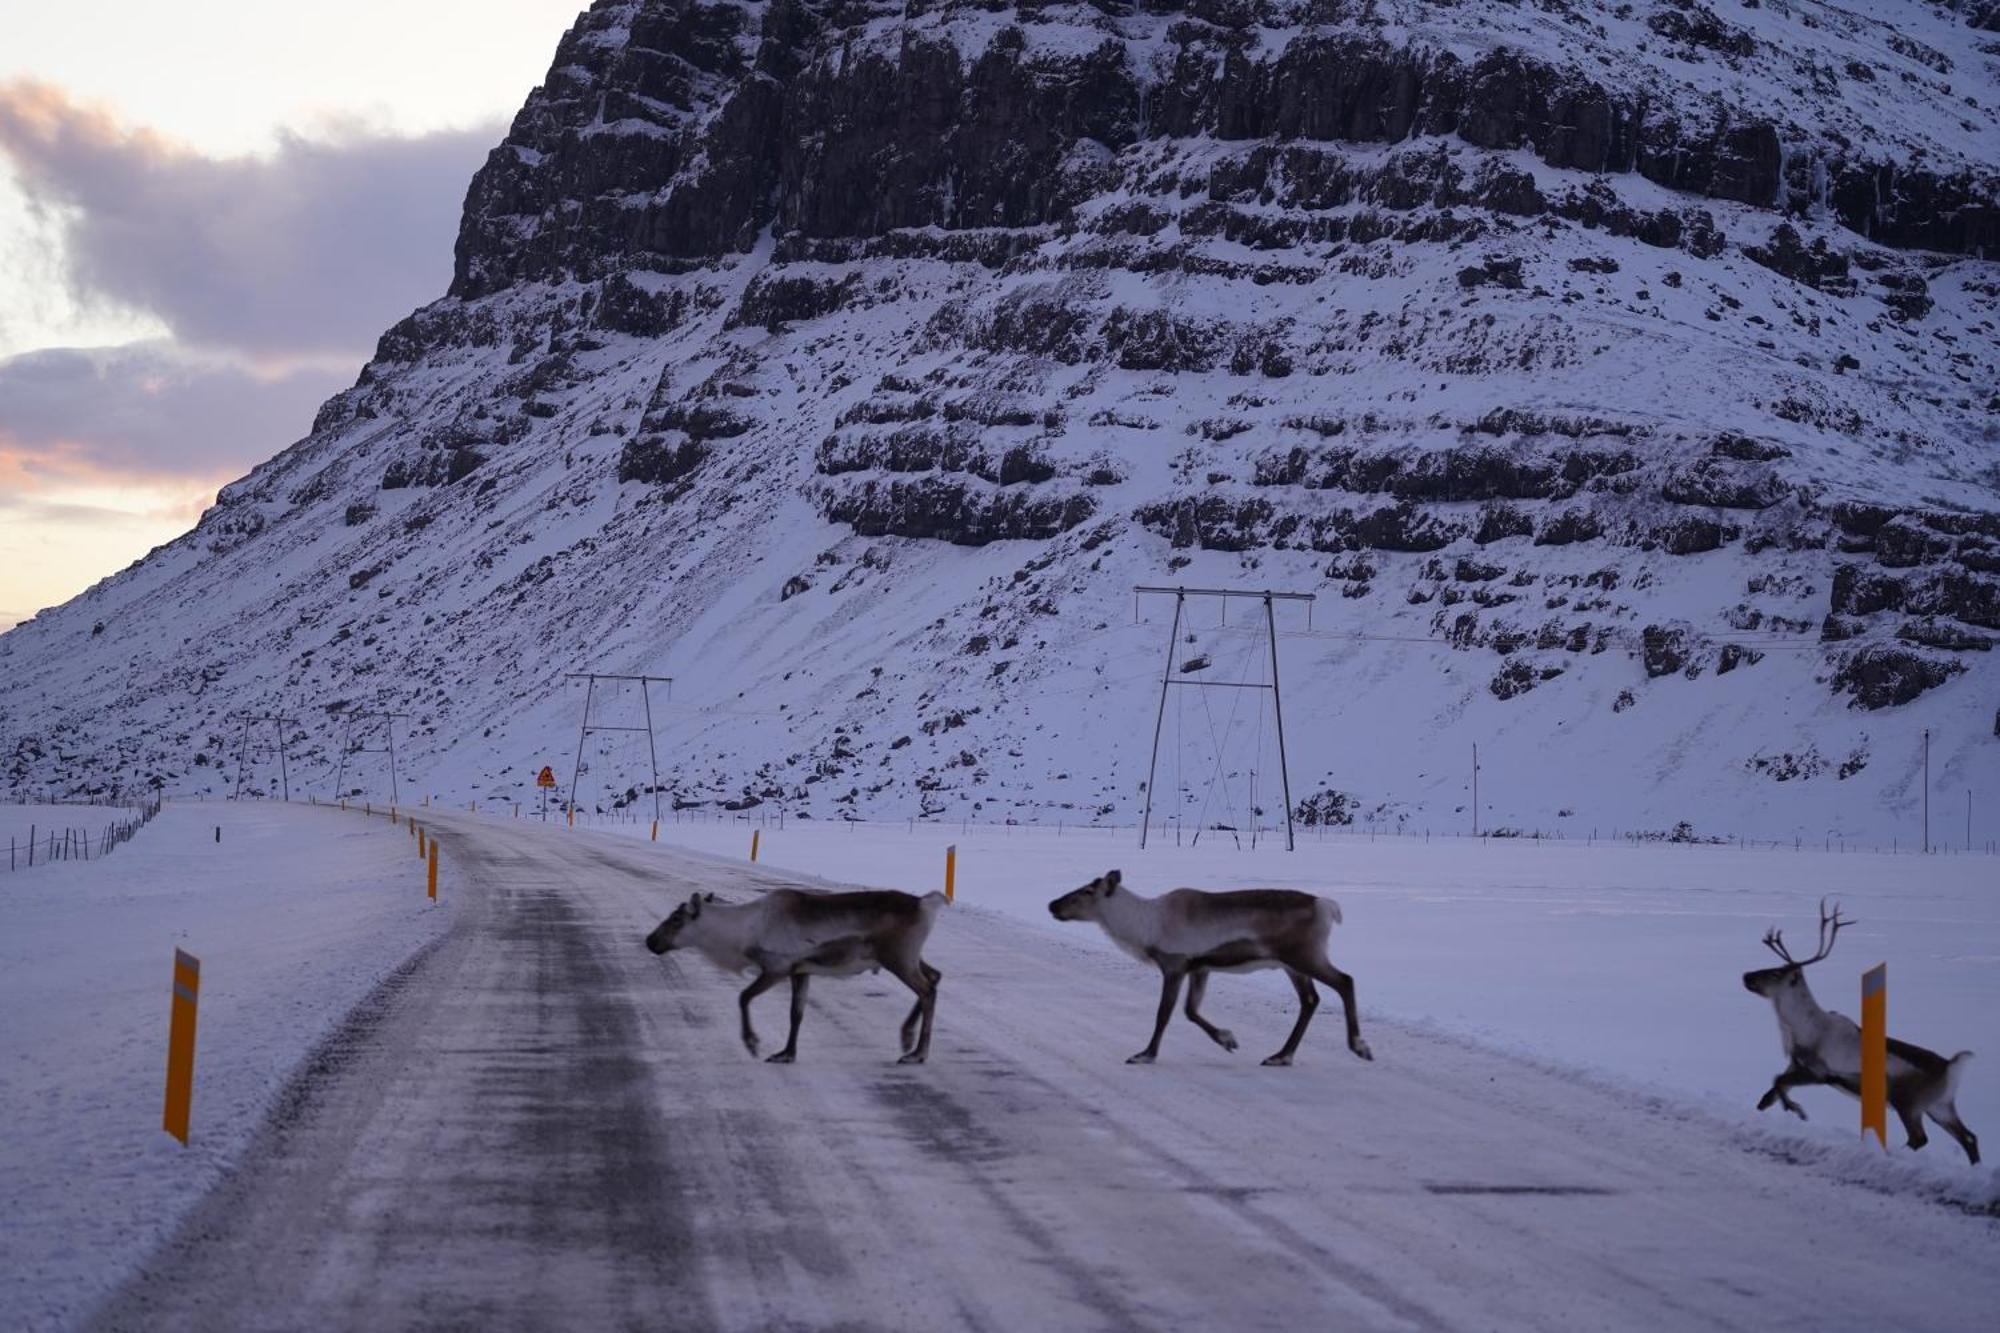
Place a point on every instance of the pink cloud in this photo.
(312, 250)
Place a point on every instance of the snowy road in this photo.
(543, 1125)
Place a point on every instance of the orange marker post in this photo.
(1875, 1053)
(951, 873)
(572, 816)
(754, 835)
(656, 831)
(434, 872)
(180, 1045)
(422, 842)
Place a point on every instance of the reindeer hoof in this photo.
(912, 1058)
(1278, 1061)
(1796, 1110)
(750, 1044)
(1360, 1048)
(1142, 1058)
(1226, 1039)
(780, 1058)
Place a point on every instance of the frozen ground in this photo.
(295, 916)
(1619, 960)
(547, 1126)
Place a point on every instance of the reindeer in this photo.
(797, 934)
(1825, 1048)
(1187, 934)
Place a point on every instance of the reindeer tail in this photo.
(1954, 1070)
(1331, 908)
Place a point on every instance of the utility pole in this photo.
(1160, 719)
(348, 748)
(1475, 789)
(645, 684)
(243, 750)
(1927, 790)
(1167, 679)
(1278, 710)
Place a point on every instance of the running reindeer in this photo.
(790, 933)
(1825, 1048)
(1187, 934)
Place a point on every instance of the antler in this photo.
(1829, 929)
(1830, 925)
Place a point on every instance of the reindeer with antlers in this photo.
(1825, 1048)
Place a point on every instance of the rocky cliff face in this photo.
(1622, 378)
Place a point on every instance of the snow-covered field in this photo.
(21, 823)
(294, 918)
(1614, 965)
(1616, 960)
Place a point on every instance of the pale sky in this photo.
(208, 211)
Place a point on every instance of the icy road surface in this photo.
(543, 1125)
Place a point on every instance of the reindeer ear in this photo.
(694, 907)
(1113, 880)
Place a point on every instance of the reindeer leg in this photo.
(1197, 987)
(1946, 1116)
(1913, 1125)
(1343, 986)
(933, 976)
(1170, 990)
(1781, 1086)
(1308, 1001)
(764, 982)
(791, 1051)
(923, 979)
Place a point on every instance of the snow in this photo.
(1620, 962)
(295, 915)
(18, 823)
(553, 1123)
(474, 600)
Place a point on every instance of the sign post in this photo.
(1875, 1053)
(546, 781)
(180, 1045)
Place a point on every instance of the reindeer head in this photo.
(1772, 982)
(667, 934)
(1082, 904)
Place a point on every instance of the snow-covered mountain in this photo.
(1624, 379)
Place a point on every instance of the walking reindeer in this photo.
(790, 933)
(1825, 1048)
(1187, 934)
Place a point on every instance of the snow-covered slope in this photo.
(1621, 378)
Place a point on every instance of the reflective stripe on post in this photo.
(180, 1045)
(1875, 1053)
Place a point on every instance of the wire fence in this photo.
(1264, 835)
(47, 844)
